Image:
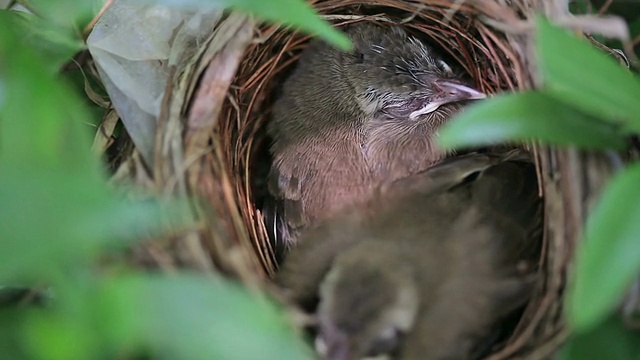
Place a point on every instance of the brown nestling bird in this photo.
(346, 122)
(425, 269)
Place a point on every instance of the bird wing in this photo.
(460, 315)
(449, 173)
(282, 211)
(306, 267)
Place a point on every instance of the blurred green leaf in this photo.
(56, 44)
(577, 73)
(219, 320)
(609, 256)
(610, 340)
(52, 222)
(296, 13)
(11, 322)
(182, 317)
(52, 134)
(41, 213)
(57, 214)
(527, 116)
(59, 336)
(76, 13)
(56, 211)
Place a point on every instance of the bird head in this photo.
(396, 76)
(365, 308)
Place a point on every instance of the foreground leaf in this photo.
(611, 340)
(69, 13)
(186, 317)
(56, 44)
(295, 13)
(44, 120)
(56, 211)
(608, 259)
(577, 73)
(527, 116)
(11, 325)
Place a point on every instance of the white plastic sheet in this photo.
(133, 46)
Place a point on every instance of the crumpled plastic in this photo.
(133, 46)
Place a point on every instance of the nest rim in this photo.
(483, 52)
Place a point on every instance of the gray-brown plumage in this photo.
(348, 121)
(425, 269)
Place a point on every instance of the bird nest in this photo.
(225, 147)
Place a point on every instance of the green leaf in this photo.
(54, 222)
(11, 322)
(56, 44)
(67, 13)
(179, 317)
(43, 119)
(610, 340)
(294, 13)
(217, 319)
(60, 336)
(45, 161)
(608, 258)
(56, 210)
(577, 73)
(527, 116)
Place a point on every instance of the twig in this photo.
(89, 27)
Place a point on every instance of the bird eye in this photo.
(359, 58)
(445, 67)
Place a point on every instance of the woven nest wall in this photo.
(225, 156)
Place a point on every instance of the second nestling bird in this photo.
(347, 122)
(428, 268)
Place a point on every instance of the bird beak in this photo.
(453, 91)
(448, 91)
